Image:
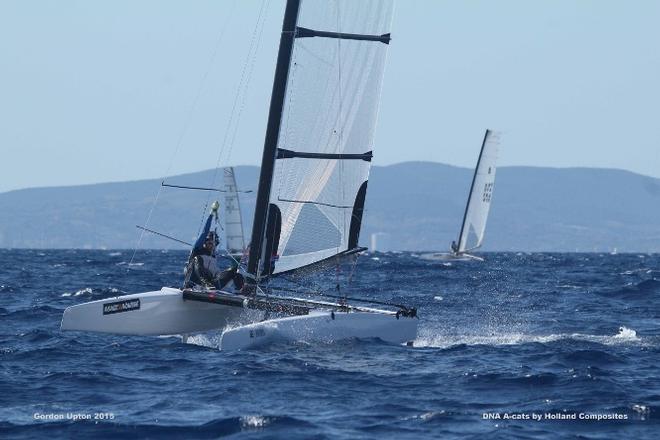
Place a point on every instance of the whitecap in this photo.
(643, 411)
(83, 291)
(626, 333)
(202, 340)
(428, 339)
(254, 421)
(426, 416)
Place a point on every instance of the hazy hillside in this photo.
(411, 206)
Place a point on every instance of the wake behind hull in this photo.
(162, 312)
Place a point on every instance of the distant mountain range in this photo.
(410, 206)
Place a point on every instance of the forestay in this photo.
(233, 222)
(327, 129)
(481, 192)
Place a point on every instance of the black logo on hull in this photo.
(121, 306)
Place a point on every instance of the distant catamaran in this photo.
(473, 227)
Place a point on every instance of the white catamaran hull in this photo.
(163, 312)
(450, 257)
(322, 326)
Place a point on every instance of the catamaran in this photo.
(310, 200)
(473, 227)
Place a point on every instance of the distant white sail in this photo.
(233, 222)
(481, 193)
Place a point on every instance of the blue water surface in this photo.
(519, 334)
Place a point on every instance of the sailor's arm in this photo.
(207, 227)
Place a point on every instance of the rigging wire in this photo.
(241, 94)
(250, 72)
(341, 215)
(312, 288)
(186, 124)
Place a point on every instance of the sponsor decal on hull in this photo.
(121, 306)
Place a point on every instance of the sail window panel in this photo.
(312, 232)
(293, 262)
(471, 240)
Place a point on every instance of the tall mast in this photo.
(272, 134)
(474, 177)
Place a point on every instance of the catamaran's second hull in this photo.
(450, 257)
(323, 327)
(162, 312)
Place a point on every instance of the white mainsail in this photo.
(481, 193)
(327, 130)
(235, 241)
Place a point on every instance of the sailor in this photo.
(230, 274)
(454, 247)
(202, 269)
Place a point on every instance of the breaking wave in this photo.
(428, 339)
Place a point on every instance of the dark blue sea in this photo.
(573, 339)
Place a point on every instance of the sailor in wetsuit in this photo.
(202, 269)
(454, 247)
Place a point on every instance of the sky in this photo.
(124, 90)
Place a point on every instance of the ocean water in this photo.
(519, 335)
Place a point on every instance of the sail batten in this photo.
(290, 154)
(481, 192)
(302, 32)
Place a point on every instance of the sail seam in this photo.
(312, 202)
